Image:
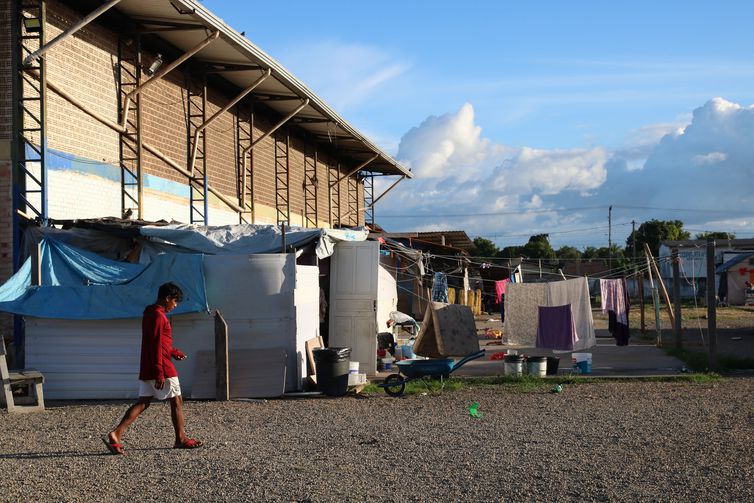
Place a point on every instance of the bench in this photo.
(33, 379)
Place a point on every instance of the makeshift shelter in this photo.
(83, 323)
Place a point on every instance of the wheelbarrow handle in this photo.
(465, 359)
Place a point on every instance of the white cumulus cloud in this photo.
(697, 162)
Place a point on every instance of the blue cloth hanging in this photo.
(440, 287)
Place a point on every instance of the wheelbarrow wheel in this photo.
(394, 385)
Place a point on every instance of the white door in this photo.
(353, 301)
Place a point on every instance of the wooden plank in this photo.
(311, 345)
(222, 377)
(253, 373)
(426, 342)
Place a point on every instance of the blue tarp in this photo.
(81, 285)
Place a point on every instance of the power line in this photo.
(560, 210)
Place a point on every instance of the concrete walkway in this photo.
(607, 360)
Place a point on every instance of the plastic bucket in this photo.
(353, 367)
(584, 367)
(583, 362)
(407, 351)
(332, 367)
(552, 365)
(513, 365)
(387, 364)
(537, 365)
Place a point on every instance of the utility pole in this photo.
(610, 238)
(677, 328)
(633, 238)
(711, 305)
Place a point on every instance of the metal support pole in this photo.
(70, 31)
(130, 144)
(711, 305)
(217, 114)
(677, 329)
(162, 72)
(355, 170)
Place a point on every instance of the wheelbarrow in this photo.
(438, 368)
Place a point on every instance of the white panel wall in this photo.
(255, 294)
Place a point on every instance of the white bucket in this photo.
(582, 357)
(353, 367)
(537, 366)
(513, 368)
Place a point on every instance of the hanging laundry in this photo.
(615, 303)
(440, 288)
(522, 301)
(556, 328)
(575, 292)
(522, 313)
(500, 289)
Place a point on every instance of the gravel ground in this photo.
(615, 441)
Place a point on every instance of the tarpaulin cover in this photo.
(80, 285)
(249, 238)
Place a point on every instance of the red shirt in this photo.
(157, 345)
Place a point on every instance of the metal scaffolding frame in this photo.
(282, 177)
(130, 148)
(311, 210)
(196, 142)
(333, 189)
(368, 198)
(30, 124)
(352, 196)
(244, 118)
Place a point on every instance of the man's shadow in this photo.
(72, 454)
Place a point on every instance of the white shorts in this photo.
(170, 389)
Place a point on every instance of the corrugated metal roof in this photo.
(232, 48)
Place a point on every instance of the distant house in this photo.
(734, 273)
(693, 264)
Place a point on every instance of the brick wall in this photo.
(85, 67)
(6, 79)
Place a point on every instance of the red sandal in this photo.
(113, 447)
(191, 443)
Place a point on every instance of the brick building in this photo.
(159, 110)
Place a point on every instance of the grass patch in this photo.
(698, 361)
(531, 384)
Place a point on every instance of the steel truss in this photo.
(368, 198)
(196, 90)
(129, 78)
(353, 198)
(30, 171)
(244, 130)
(311, 213)
(282, 177)
(333, 174)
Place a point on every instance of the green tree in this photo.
(485, 248)
(568, 253)
(510, 252)
(653, 232)
(538, 247)
(715, 235)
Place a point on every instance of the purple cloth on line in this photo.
(556, 328)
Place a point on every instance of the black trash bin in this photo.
(332, 370)
(552, 365)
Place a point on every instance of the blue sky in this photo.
(543, 114)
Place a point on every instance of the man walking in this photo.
(158, 377)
